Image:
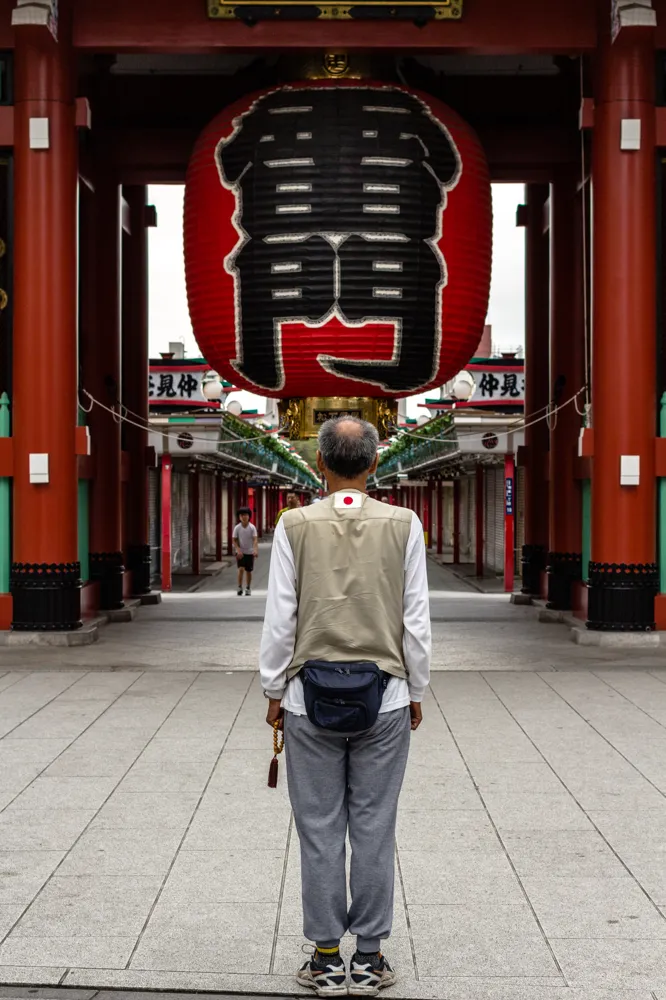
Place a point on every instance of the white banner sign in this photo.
(499, 387)
(176, 386)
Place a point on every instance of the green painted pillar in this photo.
(5, 504)
(662, 506)
(84, 518)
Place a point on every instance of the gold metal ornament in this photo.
(302, 418)
(442, 9)
(387, 417)
(291, 411)
(336, 64)
(4, 299)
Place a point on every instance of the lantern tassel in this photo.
(278, 747)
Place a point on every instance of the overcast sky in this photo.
(169, 317)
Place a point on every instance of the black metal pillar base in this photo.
(564, 568)
(533, 564)
(46, 597)
(138, 562)
(107, 569)
(621, 597)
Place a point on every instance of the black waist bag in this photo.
(343, 697)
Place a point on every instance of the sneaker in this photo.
(240, 591)
(370, 974)
(326, 974)
(248, 592)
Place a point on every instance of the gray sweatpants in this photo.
(338, 783)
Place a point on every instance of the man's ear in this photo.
(320, 463)
(373, 467)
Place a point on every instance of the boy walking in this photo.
(246, 547)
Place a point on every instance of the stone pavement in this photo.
(141, 849)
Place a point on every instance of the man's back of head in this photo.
(347, 452)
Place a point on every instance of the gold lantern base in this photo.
(302, 417)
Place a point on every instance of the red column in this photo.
(230, 516)
(195, 511)
(101, 377)
(624, 325)
(135, 380)
(479, 519)
(218, 517)
(440, 517)
(509, 522)
(427, 518)
(166, 523)
(566, 378)
(537, 394)
(456, 522)
(259, 503)
(44, 335)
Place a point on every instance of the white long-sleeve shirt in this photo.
(279, 632)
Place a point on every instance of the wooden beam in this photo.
(487, 26)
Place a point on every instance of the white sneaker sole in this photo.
(321, 991)
(390, 979)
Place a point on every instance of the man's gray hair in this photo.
(348, 455)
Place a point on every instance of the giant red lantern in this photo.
(338, 241)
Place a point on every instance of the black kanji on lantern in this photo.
(339, 194)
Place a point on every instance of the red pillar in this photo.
(44, 335)
(509, 522)
(166, 523)
(624, 325)
(195, 510)
(456, 522)
(566, 378)
(135, 380)
(427, 515)
(479, 519)
(230, 516)
(537, 394)
(259, 504)
(440, 517)
(102, 378)
(218, 518)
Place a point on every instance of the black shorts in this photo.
(245, 562)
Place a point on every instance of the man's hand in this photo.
(416, 714)
(275, 713)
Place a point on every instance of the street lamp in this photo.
(211, 387)
(463, 387)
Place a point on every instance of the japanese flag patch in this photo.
(347, 500)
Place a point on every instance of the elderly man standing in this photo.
(345, 661)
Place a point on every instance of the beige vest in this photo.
(350, 574)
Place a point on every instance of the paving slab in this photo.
(486, 940)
